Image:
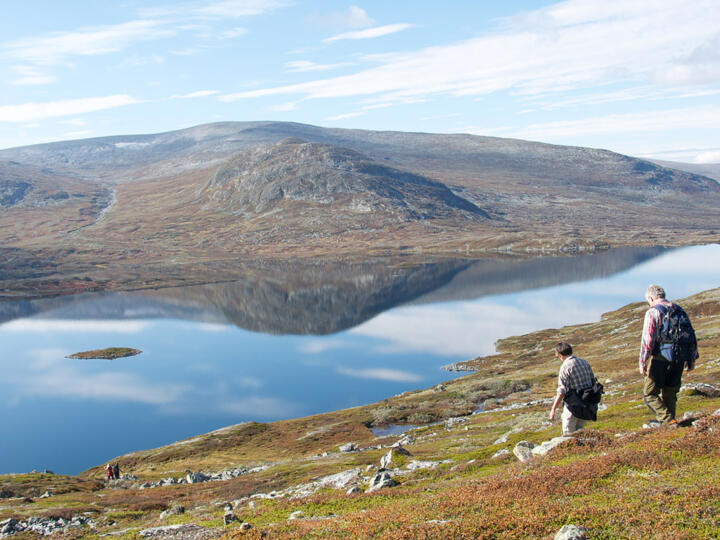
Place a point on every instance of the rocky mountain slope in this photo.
(255, 190)
(448, 471)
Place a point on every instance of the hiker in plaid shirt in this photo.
(575, 374)
(662, 377)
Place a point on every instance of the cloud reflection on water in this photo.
(77, 326)
(380, 374)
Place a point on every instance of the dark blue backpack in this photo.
(677, 331)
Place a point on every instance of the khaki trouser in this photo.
(570, 422)
(660, 389)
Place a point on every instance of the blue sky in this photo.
(641, 78)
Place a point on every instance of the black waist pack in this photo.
(584, 403)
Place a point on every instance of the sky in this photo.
(639, 78)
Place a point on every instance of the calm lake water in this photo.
(292, 343)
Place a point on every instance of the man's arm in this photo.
(646, 343)
(558, 400)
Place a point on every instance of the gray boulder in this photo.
(523, 451)
(379, 481)
(571, 532)
(174, 510)
(229, 517)
(349, 447)
(196, 478)
(546, 446)
(388, 459)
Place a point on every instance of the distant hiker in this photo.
(109, 470)
(669, 344)
(577, 387)
(116, 471)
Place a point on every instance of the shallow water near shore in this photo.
(223, 354)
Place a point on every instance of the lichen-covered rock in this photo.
(379, 481)
(571, 532)
(523, 451)
(391, 458)
(543, 448)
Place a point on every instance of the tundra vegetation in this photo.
(615, 478)
(109, 353)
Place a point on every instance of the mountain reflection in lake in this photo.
(392, 328)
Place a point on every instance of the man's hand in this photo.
(551, 416)
(642, 371)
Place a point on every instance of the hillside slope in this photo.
(290, 479)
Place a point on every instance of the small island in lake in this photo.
(111, 353)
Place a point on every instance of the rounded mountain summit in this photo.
(306, 176)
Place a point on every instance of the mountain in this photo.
(178, 207)
(711, 170)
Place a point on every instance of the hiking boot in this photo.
(672, 424)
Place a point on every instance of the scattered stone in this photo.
(46, 495)
(703, 389)
(451, 422)
(229, 517)
(183, 531)
(571, 532)
(381, 480)
(523, 451)
(406, 440)
(354, 489)
(546, 446)
(196, 478)
(295, 515)
(349, 447)
(652, 424)
(500, 453)
(174, 510)
(716, 413)
(439, 388)
(48, 471)
(245, 527)
(388, 459)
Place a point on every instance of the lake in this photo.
(289, 342)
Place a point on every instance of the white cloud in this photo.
(650, 121)
(30, 75)
(579, 44)
(239, 8)
(233, 33)
(28, 112)
(198, 94)
(284, 107)
(343, 116)
(370, 33)
(83, 133)
(305, 65)
(380, 374)
(56, 47)
(353, 17)
(72, 326)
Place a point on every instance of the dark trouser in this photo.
(662, 383)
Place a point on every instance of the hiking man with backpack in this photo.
(577, 387)
(668, 345)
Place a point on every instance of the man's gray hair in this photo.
(656, 291)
